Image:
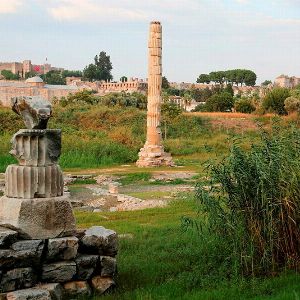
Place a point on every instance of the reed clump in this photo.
(252, 202)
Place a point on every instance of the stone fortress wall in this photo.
(26, 66)
(286, 81)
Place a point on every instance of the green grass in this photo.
(162, 261)
(150, 194)
(141, 177)
(83, 181)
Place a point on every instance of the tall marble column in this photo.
(153, 154)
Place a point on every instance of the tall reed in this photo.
(253, 201)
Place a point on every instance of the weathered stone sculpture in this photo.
(35, 111)
(153, 154)
(34, 204)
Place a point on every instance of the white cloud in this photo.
(10, 6)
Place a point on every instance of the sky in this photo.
(199, 36)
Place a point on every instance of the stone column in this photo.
(153, 154)
(34, 204)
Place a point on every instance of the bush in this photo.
(274, 100)
(219, 102)
(244, 106)
(253, 202)
(292, 104)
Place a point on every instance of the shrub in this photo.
(253, 202)
(244, 106)
(292, 104)
(274, 100)
(219, 102)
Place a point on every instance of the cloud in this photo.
(116, 10)
(10, 6)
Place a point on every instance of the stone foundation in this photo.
(58, 268)
(154, 156)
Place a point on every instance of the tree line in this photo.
(236, 76)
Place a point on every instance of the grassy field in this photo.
(160, 258)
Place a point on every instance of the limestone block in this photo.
(33, 182)
(36, 147)
(62, 248)
(55, 290)
(102, 284)
(59, 272)
(29, 294)
(108, 266)
(19, 278)
(77, 288)
(41, 218)
(99, 240)
(86, 265)
(7, 237)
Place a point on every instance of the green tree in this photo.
(70, 73)
(266, 82)
(123, 79)
(203, 78)
(229, 89)
(219, 102)
(30, 74)
(165, 83)
(9, 75)
(54, 77)
(249, 77)
(244, 105)
(169, 112)
(274, 100)
(100, 70)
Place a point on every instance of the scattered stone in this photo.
(113, 188)
(85, 208)
(102, 284)
(77, 288)
(97, 210)
(17, 279)
(59, 272)
(113, 209)
(55, 290)
(99, 240)
(29, 294)
(7, 237)
(108, 266)
(62, 248)
(86, 265)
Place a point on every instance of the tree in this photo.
(249, 77)
(165, 83)
(70, 73)
(30, 74)
(244, 106)
(229, 89)
(274, 100)
(219, 102)
(266, 82)
(54, 77)
(9, 75)
(203, 78)
(123, 79)
(100, 70)
(169, 112)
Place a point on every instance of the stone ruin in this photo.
(42, 255)
(153, 154)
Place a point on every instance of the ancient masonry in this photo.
(153, 154)
(42, 255)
